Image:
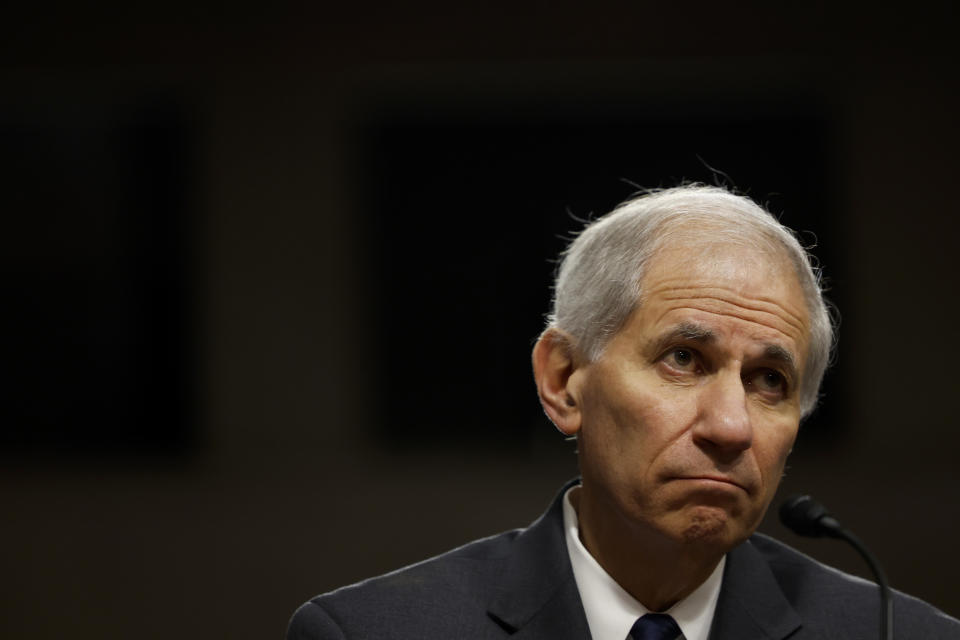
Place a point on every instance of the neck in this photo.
(654, 569)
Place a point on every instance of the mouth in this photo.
(715, 481)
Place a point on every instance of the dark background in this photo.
(272, 277)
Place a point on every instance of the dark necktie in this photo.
(655, 626)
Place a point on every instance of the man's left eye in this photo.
(769, 381)
(682, 358)
(772, 380)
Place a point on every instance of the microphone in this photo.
(806, 517)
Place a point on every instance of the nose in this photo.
(723, 425)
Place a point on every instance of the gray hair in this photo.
(598, 283)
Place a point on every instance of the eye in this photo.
(769, 382)
(682, 359)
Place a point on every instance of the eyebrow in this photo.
(779, 354)
(685, 331)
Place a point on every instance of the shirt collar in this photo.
(611, 611)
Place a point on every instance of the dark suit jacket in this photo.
(519, 584)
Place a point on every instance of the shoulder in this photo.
(439, 595)
(821, 593)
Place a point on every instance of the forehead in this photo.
(744, 289)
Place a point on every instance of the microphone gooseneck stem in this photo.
(886, 602)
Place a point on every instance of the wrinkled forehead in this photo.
(693, 244)
(716, 236)
(727, 261)
(731, 278)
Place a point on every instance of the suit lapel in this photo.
(751, 604)
(537, 595)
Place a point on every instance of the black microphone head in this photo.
(803, 515)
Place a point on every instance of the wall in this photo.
(286, 490)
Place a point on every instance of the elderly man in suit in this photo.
(688, 339)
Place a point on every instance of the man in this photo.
(688, 339)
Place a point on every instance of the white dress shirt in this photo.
(611, 611)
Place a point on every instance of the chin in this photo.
(710, 526)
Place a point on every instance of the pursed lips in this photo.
(715, 478)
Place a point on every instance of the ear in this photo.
(554, 366)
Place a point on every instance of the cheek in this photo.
(772, 452)
(667, 411)
(649, 426)
(652, 406)
(629, 420)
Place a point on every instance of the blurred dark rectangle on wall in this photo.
(467, 209)
(98, 346)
